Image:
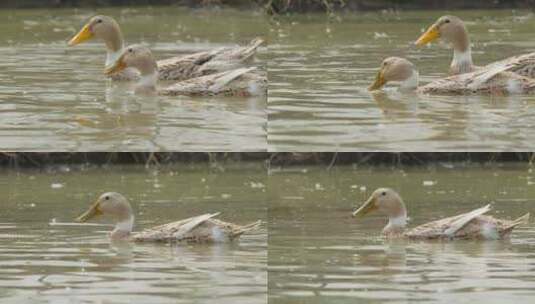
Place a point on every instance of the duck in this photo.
(199, 229)
(243, 82)
(473, 225)
(453, 30)
(106, 29)
(494, 81)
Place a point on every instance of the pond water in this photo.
(53, 96)
(319, 72)
(318, 253)
(42, 263)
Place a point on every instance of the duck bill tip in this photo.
(366, 208)
(379, 82)
(430, 35)
(115, 68)
(83, 35)
(89, 214)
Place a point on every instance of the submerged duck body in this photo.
(492, 81)
(200, 229)
(105, 28)
(472, 225)
(244, 82)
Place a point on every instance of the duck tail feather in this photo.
(250, 50)
(249, 227)
(523, 220)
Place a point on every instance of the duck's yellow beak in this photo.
(92, 212)
(430, 35)
(83, 35)
(379, 82)
(366, 208)
(116, 67)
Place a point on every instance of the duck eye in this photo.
(447, 21)
(99, 20)
(130, 50)
(383, 193)
(107, 198)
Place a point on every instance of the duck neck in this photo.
(147, 83)
(462, 55)
(411, 83)
(112, 56)
(114, 45)
(397, 220)
(123, 228)
(148, 70)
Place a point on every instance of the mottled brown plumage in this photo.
(497, 228)
(206, 63)
(480, 82)
(245, 82)
(203, 232)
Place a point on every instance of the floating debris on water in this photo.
(57, 185)
(54, 222)
(293, 198)
(381, 35)
(429, 183)
(258, 185)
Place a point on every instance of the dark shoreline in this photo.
(240, 4)
(300, 6)
(284, 6)
(39, 160)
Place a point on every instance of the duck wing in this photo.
(447, 227)
(175, 231)
(523, 65)
(237, 82)
(206, 63)
(463, 219)
(494, 79)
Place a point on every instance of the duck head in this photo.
(101, 27)
(396, 69)
(389, 203)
